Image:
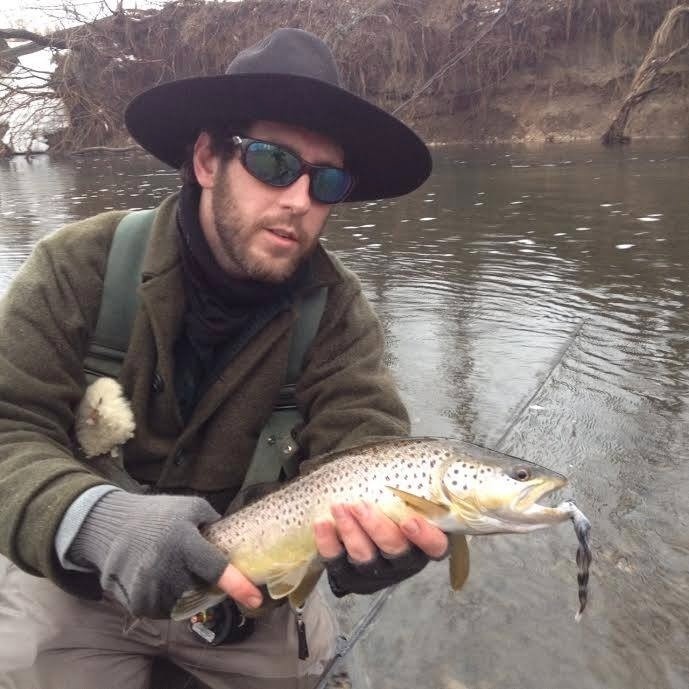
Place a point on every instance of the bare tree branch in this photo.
(11, 54)
(49, 41)
(105, 149)
(66, 38)
(58, 40)
(646, 75)
(449, 64)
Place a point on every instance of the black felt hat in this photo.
(290, 76)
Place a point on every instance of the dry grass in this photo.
(386, 49)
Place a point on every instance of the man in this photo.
(266, 150)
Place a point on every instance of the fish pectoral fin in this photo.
(298, 597)
(282, 581)
(427, 508)
(465, 511)
(195, 601)
(459, 560)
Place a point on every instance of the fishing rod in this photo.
(346, 643)
(559, 356)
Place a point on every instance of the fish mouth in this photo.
(527, 503)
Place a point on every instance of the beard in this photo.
(237, 239)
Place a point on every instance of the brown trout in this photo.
(462, 488)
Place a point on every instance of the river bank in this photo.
(458, 71)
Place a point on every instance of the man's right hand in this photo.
(148, 551)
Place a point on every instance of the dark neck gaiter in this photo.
(219, 307)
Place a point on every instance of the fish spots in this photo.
(365, 473)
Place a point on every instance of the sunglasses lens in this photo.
(271, 164)
(279, 168)
(330, 184)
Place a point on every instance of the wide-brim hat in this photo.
(291, 77)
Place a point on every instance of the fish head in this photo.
(496, 493)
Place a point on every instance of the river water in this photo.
(535, 300)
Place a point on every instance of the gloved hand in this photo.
(382, 571)
(148, 549)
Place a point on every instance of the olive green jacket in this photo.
(47, 318)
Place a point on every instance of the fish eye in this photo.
(521, 474)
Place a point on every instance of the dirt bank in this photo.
(457, 70)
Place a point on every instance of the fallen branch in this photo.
(643, 82)
(50, 41)
(35, 42)
(68, 38)
(104, 149)
(11, 54)
(454, 59)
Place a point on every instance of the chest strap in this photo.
(120, 296)
(276, 450)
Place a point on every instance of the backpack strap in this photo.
(276, 450)
(120, 296)
(309, 311)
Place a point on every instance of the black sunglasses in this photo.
(279, 167)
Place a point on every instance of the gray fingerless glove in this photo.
(148, 549)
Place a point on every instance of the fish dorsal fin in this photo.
(427, 508)
(281, 582)
(459, 560)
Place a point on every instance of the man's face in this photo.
(256, 231)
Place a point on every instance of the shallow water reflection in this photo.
(534, 299)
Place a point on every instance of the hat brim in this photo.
(387, 158)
